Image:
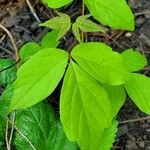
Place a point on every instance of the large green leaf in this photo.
(133, 60)
(28, 50)
(117, 96)
(84, 107)
(35, 124)
(38, 77)
(116, 14)
(56, 3)
(7, 71)
(138, 88)
(57, 139)
(101, 62)
(61, 23)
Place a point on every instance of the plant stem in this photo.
(135, 120)
(32, 146)
(12, 40)
(83, 10)
(8, 142)
(12, 129)
(33, 11)
(6, 135)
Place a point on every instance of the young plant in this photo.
(95, 81)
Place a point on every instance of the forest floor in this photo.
(15, 15)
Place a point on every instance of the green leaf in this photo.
(108, 137)
(56, 3)
(38, 77)
(50, 40)
(116, 14)
(76, 32)
(138, 89)
(133, 60)
(86, 25)
(57, 139)
(101, 62)
(5, 100)
(103, 139)
(35, 124)
(84, 107)
(117, 96)
(7, 71)
(61, 23)
(28, 50)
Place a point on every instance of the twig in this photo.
(32, 146)
(7, 51)
(3, 37)
(8, 143)
(12, 130)
(83, 10)
(12, 40)
(109, 37)
(6, 134)
(33, 11)
(135, 120)
(117, 147)
(146, 12)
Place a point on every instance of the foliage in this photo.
(7, 75)
(5, 100)
(99, 64)
(56, 3)
(133, 60)
(86, 25)
(95, 81)
(57, 139)
(138, 89)
(37, 120)
(46, 69)
(61, 23)
(50, 40)
(116, 14)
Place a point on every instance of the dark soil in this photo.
(18, 19)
